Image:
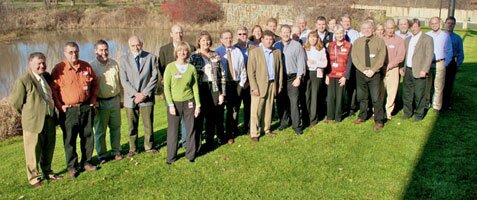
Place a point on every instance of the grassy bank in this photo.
(433, 159)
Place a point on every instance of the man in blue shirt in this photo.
(457, 59)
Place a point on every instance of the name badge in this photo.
(191, 104)
(344, 50)
(178, 76)
(372, 55)
(85, 87)
(85, 73)
(391, 46)
(334, 65)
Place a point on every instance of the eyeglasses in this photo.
(242, 34)
(73, 52)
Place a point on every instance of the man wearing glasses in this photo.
(74, 89)
(243, 45)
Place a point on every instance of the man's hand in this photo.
(369, 73)
(402, 71)
(197, 111)
(342, 81)
(139, 97)
(255, 92)
(296, 82)
(172, 110)
(422, 74)
(327, 80)
(65, 107)
(221, 99)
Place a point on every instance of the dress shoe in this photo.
(151, 151)
(118, 157)
(281, 128)
(299, 132)
(271, 134)
(378, 126)
(417, 119)
(54, 177)
(358, 121)
(131, 154)
(351, 113)
(72, 173)
(255, 139)
(102, 161)
(37, 184)
(230, 141)
(90, 168)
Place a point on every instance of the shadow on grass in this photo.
(447, 168)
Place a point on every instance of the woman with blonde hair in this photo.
(182, 97)
(340, 61)
(316, 62)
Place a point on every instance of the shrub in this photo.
(10, 121)
(198, 11)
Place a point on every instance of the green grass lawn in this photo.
(433, 159)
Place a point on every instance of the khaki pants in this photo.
(439, 82)
(261, 111)
(391, 83)
(39, 148)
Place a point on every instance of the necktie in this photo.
(366, 54)
(48, 95)
(231, 67)
(347, 37)
(138, 65)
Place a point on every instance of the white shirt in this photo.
(352, 34)
(239, 73)
(442, 46)
(412, 46)
(182, 68)
(304, 35)
(319, 59)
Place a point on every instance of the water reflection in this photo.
(14, 55)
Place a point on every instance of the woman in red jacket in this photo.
(340, 62)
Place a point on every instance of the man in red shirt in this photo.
(74, 89)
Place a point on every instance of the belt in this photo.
(271, 81)
(436, 61)
(79, 104)
(104, 99)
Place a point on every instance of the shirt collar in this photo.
(37, 76)
(70, 67)
(266, 50)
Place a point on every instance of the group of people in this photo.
(305, 74)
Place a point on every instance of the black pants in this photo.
(185, 110)
(233, 94)
(212, 114)
(291, 104)
(78, 121)
(365, 88)
(315, 97)
(335, 100)
(246, 107)
(451, 71)
(351, 93)
(413, 93)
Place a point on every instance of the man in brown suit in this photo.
(32, 98)
(419, 55)
(265, 73)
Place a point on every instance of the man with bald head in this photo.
(300, 22)
(74, 89)
(166, 56)
(396, 54)
(403, 32)
(443, 54)
(138, 75)
(368, 55)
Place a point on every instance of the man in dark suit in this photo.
(32, 98)
(138, 75)
(166, 56)
(265, 74)
(419, 55)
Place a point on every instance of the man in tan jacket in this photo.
(31, 97)
(265, 73)
(419, 55)
(368, 55)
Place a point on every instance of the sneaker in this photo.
(118, 157)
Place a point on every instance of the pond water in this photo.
(14, 54)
